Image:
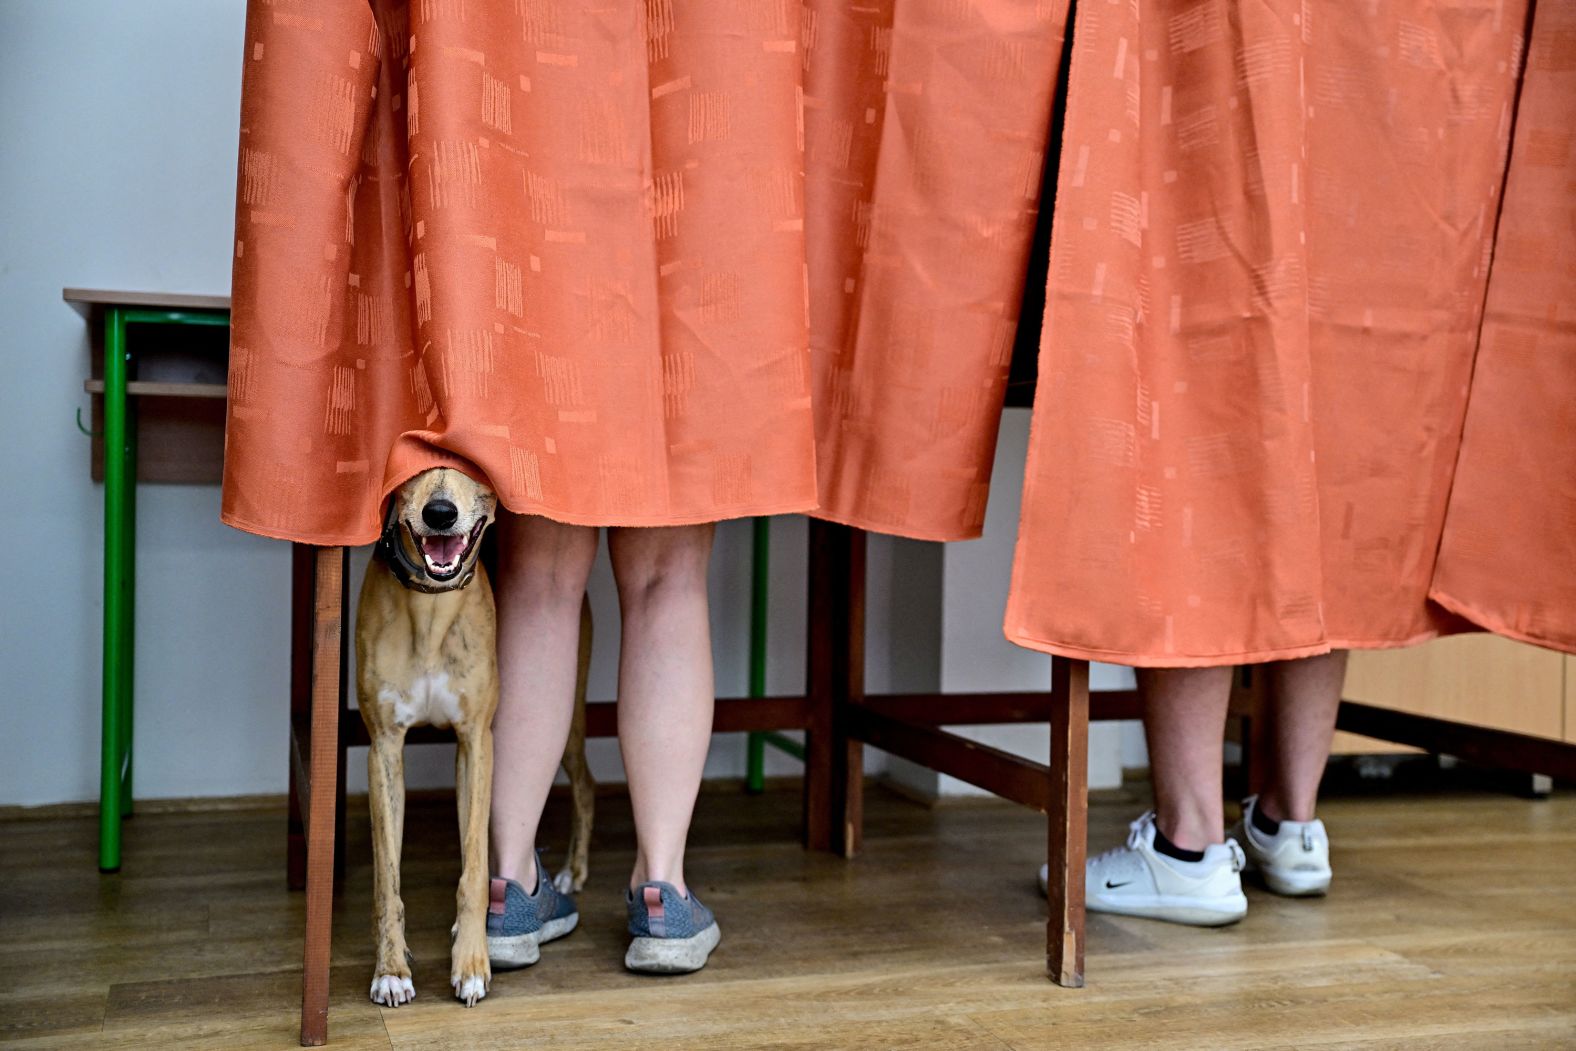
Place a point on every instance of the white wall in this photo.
(975, 655)
(118, 126)
(118, 131)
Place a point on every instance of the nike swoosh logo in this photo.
(1112, 886)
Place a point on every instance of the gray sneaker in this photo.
(673, 933)
(518, 923)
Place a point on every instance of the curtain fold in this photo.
(925, 137)
(1508, 556)
(1268, 263)
(1303, 381)
(594, 295)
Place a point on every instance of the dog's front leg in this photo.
(471, 972)
(391, 984)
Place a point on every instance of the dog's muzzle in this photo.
(407, 571)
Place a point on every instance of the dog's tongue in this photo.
(443, 550)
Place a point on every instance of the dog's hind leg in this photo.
(391, 984)
(471, 972)
(582, 787)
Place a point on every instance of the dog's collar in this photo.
(409, 573)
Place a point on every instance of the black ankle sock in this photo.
(1171, 850)
(1263, 822)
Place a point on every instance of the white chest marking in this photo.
(427, 700)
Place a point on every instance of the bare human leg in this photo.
(1303, 698)
(665, 687)
(542, 571)
(1184, 723)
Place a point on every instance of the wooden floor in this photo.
(1452, 924)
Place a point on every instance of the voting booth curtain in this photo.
(1308, 361)
(1297, 254)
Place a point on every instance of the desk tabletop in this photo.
(86, 299)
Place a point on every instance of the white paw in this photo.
(391, 990)
(564, 881)
(469, 989)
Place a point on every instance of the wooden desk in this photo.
(121, 314)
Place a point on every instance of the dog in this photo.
(426, 653)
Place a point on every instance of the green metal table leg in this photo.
(120, 566)
(755, 763)
(128, 623)
(115, 679)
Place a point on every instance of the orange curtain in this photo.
(565, 248)
(1272, 239)
(658, 262)
(925, 138)
(1508, 557)
(560, 245)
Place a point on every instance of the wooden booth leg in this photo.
(315, 767)
(834, 677)
(848, 752)
(303, 562)
(1068, 821)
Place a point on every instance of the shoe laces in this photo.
(1134, 837)
(1135, 833)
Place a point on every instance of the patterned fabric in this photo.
(658, 910)
(560, 245)
(654, 262)
(925, 139)
(511, 911)
(1508, 557)
(564, 247)
(1270, 249)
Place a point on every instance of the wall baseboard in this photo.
(276, 800)
(180, 805)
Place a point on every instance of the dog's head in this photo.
(433, 532)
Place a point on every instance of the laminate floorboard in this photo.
(1451, 924)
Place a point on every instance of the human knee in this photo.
(651, 565)
(543, 561)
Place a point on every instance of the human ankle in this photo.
(1186, 833)
(520, 869)
(643, 873)
(1163, 845)
(1274, 808)
(1263, 821)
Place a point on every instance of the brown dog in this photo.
(426, 652)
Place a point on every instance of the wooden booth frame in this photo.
(835, 712)
(838, 718)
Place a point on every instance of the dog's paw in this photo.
(391, 990)
(566, 883)
(469, 988)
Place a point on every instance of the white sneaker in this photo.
(1135, 880)
(1294, 862)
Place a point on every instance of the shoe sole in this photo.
(1174, 909)
(1296, 884)
(1286, 883)
(507, 952)
(672, 955)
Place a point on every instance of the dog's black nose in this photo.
(440, 514)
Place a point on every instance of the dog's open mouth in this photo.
(445, 554)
